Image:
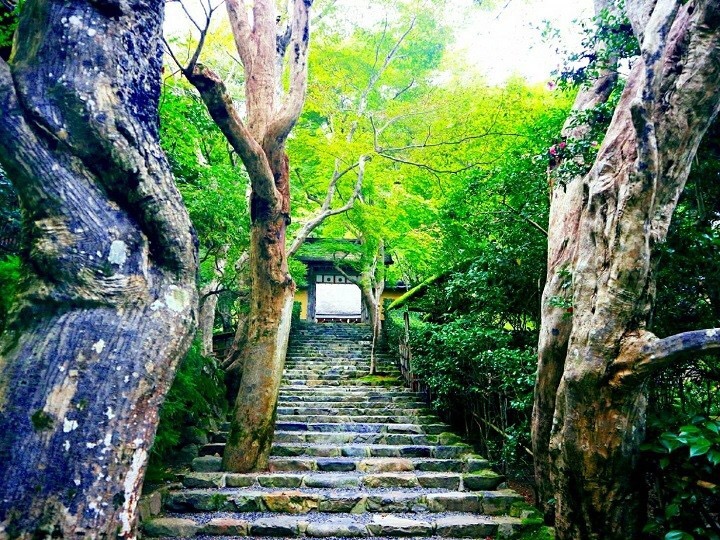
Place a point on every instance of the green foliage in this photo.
(10, 278)
(572, 157)
(607, 40)
(479, 376)
(689, 459)
(196, 400)
(8, 24)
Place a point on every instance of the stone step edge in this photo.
(304, 465)
(377, 477)
(328, 500)
(390, 525)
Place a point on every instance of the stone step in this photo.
(351, 395)
(300, 463)
(372, 409)
(363, 450)
(332, 371)
(369, 393)
(344, 525)
(346, 437)
(361, 427)
(343, 493)
(329, 381)
(372, 474)
(355, 418)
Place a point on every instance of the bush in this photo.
(194, 405)
(10, 277)
(480, 379)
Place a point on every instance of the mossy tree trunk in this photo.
(596, 405)
(109, 303)
(262, 45)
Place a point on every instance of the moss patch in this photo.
(377, 380)
(41, 420)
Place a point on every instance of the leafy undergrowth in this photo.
(193, 408)
(686, 462)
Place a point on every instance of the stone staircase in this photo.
(353, 456)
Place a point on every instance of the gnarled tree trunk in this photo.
(110, 303)
(624, 209)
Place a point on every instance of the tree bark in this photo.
(260, 143)
(566, 200)
(627, 202)
(110, 302)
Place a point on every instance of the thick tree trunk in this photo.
(566, 201)
(627, 202)
(271, 301)
(110, 304)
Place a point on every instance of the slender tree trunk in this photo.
(627, 202)
(260, 142)
(272, 292)
(208, 305)
(110, 303)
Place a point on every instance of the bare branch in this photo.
(530, 221)
(432, 169)
(320, 16)
(326, 211)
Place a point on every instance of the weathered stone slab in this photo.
(377, 465)
(394, 526)
(291, 465)
(290, 502)
(390, 480)
(275, 526)
(396, 502)
(225, 527)
(439, 480)
(240, 480)
(335, 465)
(204, 480)
(351, 504)
(476, 464)
(331, 481)
(450, 452)
(342, 528)
(495, 503)
(465, 527)
(453, 502)
(207, 464)
(440, 465)
(355, 451)
(168, 527)
(280, 480)
(482, 480)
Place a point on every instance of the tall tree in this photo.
(596, 404)
(267, 42)
(110, 300)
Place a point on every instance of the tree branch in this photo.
(326, 211)
(240, 24)
(530, 221)
(220, 106)
(289, 113)
(643, 354)
(428, 167)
